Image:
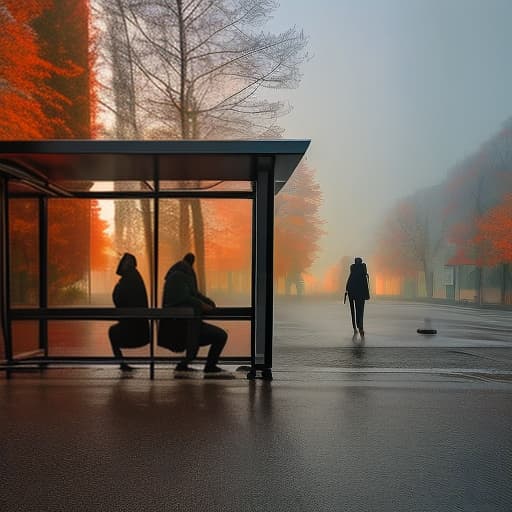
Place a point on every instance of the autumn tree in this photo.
(72, 252)
(494, 230)
(477, 184)
(336, 275)
(63, 34)
(68, 261)
(24, 248)
(30, 107)
(298, 227)
(467, 186)
(451, 215)
(229, 230)
(473, 190)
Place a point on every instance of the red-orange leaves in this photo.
(298, 227)
(494, 231)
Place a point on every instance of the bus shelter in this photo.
(69, 209)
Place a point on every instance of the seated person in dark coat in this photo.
(129, 292)
(178, 334)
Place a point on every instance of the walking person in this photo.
(358, 291)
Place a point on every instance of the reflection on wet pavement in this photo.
(87, 440)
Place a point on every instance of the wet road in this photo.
(328, 441)
(401, 423)
(318, 334)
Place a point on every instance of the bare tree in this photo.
(208, 61)
(120, 99)
(205, 65)
(409, 239)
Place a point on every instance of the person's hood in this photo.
(180, 266)
(127, 264)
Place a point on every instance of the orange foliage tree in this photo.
(466, 205)
(24, 250)
(63, 32)
(493, 235)
(229, 238)
(25, 96)
(228, 244)
(494, 230)
(468, 249)
(45, 92)
(69, 258)
(336, 275)
(332, 282)
(298, 226)
(476, 187)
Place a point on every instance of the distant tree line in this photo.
(465, 221)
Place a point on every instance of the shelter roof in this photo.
(58, 163)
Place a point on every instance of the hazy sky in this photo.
(395, 93)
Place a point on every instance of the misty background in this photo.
(394, 95)
(406, 103)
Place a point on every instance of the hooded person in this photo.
(129, 292)
(187, 335)
(358, 291)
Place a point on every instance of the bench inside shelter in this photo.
(62, 229)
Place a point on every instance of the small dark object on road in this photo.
(427, 328)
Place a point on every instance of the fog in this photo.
(395, 95)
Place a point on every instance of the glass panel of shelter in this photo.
(24, 271)
(86, 238)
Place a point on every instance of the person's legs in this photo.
(115, 336)
(360, 314)
(216, 338)
(352, 312)
(208, 335)
(193, 342)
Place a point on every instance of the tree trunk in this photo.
(184, 227)
(189, 128)
(504, 279)
(127, 126)
(197, 218)
(478, 284)
(145, 206)
(429, 280)
(184, 114)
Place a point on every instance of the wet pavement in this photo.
(89, 440)
(318, 334)
(326, 323)
(401, 423)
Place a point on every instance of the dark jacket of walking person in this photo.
(178, 334)
(358, 291)
(129, 292)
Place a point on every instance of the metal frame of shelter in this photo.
(43, 169)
